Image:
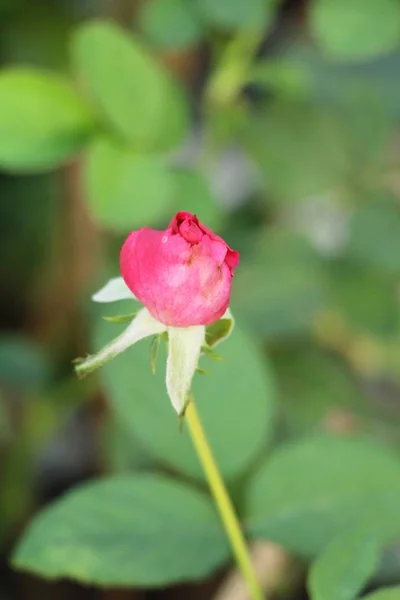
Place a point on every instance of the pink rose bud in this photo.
(182, 275)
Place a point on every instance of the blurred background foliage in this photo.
(276, 122)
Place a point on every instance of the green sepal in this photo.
(121, 318)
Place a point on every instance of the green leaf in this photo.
(356, 29)
(43, 122)
(343, 569)
(365, 299)
(239, 391)
(310, 491)
(235, 14)
(23, 364)
(389, 593)
(314, 139)
(171, 24)
(316, 387)
(377, 220)
(280, 288)
(193, 193)
(126, 190)
(133, 92)
(144, 530)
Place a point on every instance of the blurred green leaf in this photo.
(239, 390)
(124, 531)
(193, 194)
(374, 237)
(312, 490)
(132, 91)
(315, 386)
(343, 569)
(171, 24)
(285, 78)
(43, 122)
(23, 363)
(126, 190)
(389, 593)
(300, 149)
(279, 288)
(366, 300)
(236, 14)
(356, 29)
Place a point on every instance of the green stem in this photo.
(223, 501)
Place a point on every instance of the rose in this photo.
(181, 275)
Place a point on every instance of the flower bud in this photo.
(181, 275)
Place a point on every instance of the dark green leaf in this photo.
(43, 122)
(142, 530)
(136, 96)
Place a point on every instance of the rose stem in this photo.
(222, 500)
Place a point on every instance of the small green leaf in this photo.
(124, 189)
(209, 352)
(344, 568)
(356, 29)
(121, 318)
(389, 593)
(171, 24)
(43, 121)
(138, 98)
(220, 330)
(202, 372)
(141, 530)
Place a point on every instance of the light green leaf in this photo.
(171, 24)
(235, 14)
(344, 568)
(356, 29)
(239, 391)
(132, 91)
(142, 530)
(310, 491)
(389, 593)
(126, 190)
(43, 121)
